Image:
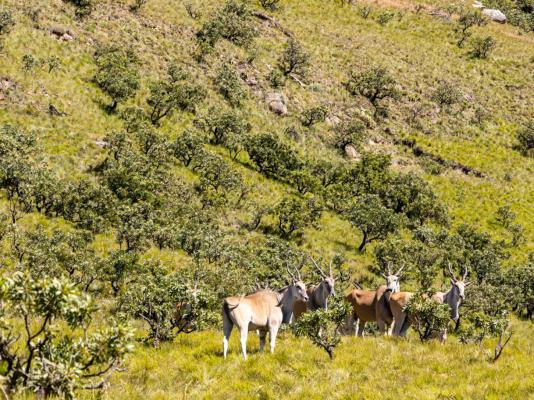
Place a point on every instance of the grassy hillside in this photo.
(477, 132)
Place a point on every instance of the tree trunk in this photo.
(363, 243)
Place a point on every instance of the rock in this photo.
(67, 38)
(478, 4)
(276, 103)
(351, 152)
(6, 84)
(441, 15)
(101, 143)
(494, 15)
(333, 120)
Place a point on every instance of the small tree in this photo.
(525, 139)
(482, 47)
(270, 4)
(303, 181)
(312, 116)
(467, 20)
(222, 124)
(427, 316)
(375, 84)
(136, 5)
(351, 132)
(175, 92)
(373, 219)
(6, 20)
(293, 215)
(229, 85)
(446, 94)
(295, 60)
(322, 326)
(40, 357)
(187, 147)
(117, 72)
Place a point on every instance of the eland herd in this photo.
(265, 310)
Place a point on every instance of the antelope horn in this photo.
(465, 274)
(330, 268)
(289, 271)
(318, 268)
(298, 273)
(450, 270)
(357, 284)
(389, 268)
(400, 270)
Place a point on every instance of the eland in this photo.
(264, 310)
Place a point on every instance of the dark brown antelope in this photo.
(453, 298)
(264, 310)
(317, 295)
(373, 305)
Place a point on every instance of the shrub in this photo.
(293, 215)
(222, 125)
(117, 72)
(6, 20)
(136, 5)
(276, 78)
(43, 358)
(482, 47)
(303, 181)
(169, 303)
(83, 7)
(29, 62)
(313, 115)
(229, 85)
(322, 326)
(427, 316)
(446, 94)
(384, 17)
(295, 59)
(365, 11)
(177, 91)
(187, 147)
(273, 157)
(525, 139)
(349, 132)
(467, 20)
(375, 84)
(270, 4)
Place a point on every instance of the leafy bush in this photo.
(270, 4)
(83, 7)
(273, 157)
(136, 5)
(375, 84)
(322, 326)
(479, 326)
(482, 47)
(525, 139)
(169, 303)
(117, 72)
(38, 356)
(519, 280)
(295, 59)
(229, 85)
(294, 214)
(313, 115)
(446, 94)
(6, 20)
(349, 132)
(177, 91)
(467, 19)
(276, 78)
(187, 146)
(223, 125)
(303, 180)
(384, 17)
(428, 317)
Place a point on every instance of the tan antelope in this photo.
(453, 298)
(264, 310)
(373, 305)
(317, 295)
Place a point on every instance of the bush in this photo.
(384, 17)
(177, 91)
(270, 4)
(482, 47)
(273, 157)
(43, 358)
(6, 20)
(375, 84)
(322, 326)
(313, 115)
(229, 85)
(293, 215)
(303, 181)
(117, 72)
(169, 303)
(466, 21)
(136, 5)
(223, 125)
(83, 7)
(276, 78)
(295, 59)
(446, 94)
(428, 317)
(525, 139)
(187, 147)
(349, 132)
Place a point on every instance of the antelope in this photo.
(373, 305)
(453, 298)
(317, 295)
(264, 310)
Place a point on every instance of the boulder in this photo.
(351, 153)
(276, 103)
(333, 120)
(494, 15)
(478, 4)
(67, 38)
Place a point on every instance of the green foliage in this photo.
(375, 84)
(322, 326)
(169, 303)
(482, 47)
(229, 85)
(53, 63)
(271, 5)
(39, 357)
(295, 59)
(273, 157)
(83, 7)
(294, 214)
(525, 139)
(313, 115)
(520, 291)
(6, 20)
(428, 317)
(373, 219)
(384, 17)
(446, 94)
(468, 19)
(117, 72)
(303, 180)
(365, 11)
(506, 218)
(177, 91)
(223, 125)
(187, 147)
(480, 326)
(136, 5)
(351, 132)
(276, 78)
(29, 62)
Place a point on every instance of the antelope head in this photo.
(298, 287)
(328, 281)
(458, 285)
(393, 279)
